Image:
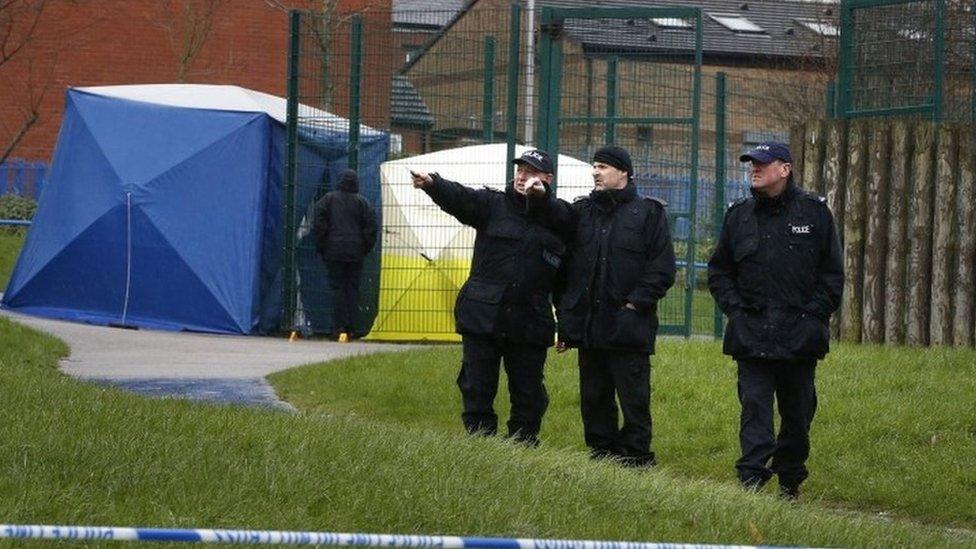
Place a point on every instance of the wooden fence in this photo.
(904, 199)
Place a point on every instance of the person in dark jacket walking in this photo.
(621, 263)
(345, 232)
(778, 274)
(504, 310)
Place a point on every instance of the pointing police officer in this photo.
(504, 310)
(777, 273)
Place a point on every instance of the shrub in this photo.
(17, 207)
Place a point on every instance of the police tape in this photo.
(272, 537)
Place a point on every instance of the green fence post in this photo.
(545, 75)
(355, 91)
(845, 64)
(938, 42)
(831, 95)
(611, 129)
(719, 175)
(488, 110)
(551, 54)
(514, 50)
(291, 173)
(692, 270)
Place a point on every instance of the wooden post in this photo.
(919, 274)
(813, 157)
(943, 241)
(963, 329)
(857, 163)
(834, 166)
(897, 257)
(798, 150)
(874, 240)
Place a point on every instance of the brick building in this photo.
(109, 42)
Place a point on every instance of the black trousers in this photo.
(478, 381)
(627, 374)
(344, 283)
(791, 382)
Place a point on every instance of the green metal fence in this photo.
(604, 82)
(914, 58)
(461, 95)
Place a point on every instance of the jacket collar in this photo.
(776, 202)
(610, 198)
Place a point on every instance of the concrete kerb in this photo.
(219, 368)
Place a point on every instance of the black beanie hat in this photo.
(615, 156)
(349, 181)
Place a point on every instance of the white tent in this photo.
(426, 252)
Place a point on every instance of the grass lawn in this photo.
(75, 453)
(895, 434)
(11, 241)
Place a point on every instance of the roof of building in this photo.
(745, 29)
(426, 14)
(406, 106)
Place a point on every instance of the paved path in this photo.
(218, 368)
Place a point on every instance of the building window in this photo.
(737, 23)
(819, 27)
(412, 52)
(673, 23)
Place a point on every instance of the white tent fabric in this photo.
(426, 252)
(410, 218)
(224, 98)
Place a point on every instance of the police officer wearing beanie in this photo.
(345, 230)
(777, 273)
(504, 310)
(620, 265)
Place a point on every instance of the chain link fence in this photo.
(459, 95)
(908, 58)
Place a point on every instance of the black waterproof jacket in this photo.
(344, 225)
(778, 274)
(508, 291)
(620, 252)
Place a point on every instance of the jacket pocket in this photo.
(744, 247)
(476, 310)
(810, 337)
(739, 340)
(630, 329)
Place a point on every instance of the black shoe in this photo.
(600, 453)
(638, 462)
(789, 492)
(752, 484)
(529, 441)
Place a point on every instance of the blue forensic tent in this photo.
(164, 210)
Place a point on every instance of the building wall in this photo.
(111, 42)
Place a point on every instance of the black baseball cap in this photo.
(768, 151)
(537, 159)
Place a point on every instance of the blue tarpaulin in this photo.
(163, 209)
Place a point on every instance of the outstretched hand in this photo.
(421, 180)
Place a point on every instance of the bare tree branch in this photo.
(188, 30)
(14, 14)
(36, 91)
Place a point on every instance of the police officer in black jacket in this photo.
(778, 274)
(504, 310)
(621, 263)
(345, 232)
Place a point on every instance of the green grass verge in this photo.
(75, 453)
(895, 433)
(11, 240)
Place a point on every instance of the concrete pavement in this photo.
(219, 368)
